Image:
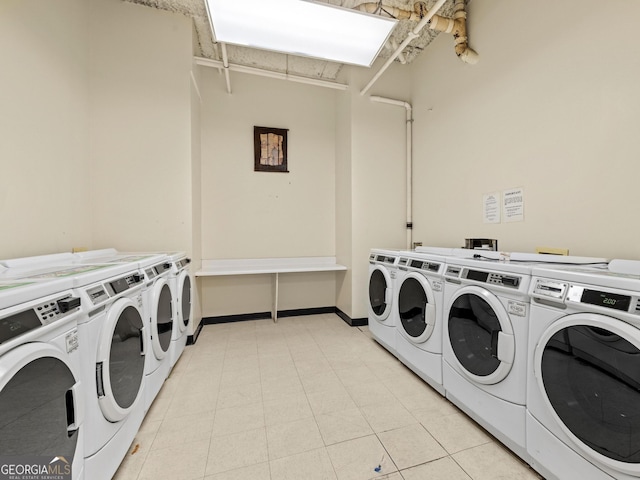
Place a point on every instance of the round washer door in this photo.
(120, 360)
(40, 402)
(379, 293)
(480, 335)
(161, 318)
(184, 300)
(416, 308)
(588, 369)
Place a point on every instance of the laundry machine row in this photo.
(115, 326)
(496, 344)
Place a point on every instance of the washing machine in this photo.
(382, 274)
(112, 348)
(418, 305)
(583, 382)
(180, 283)
(41, 392)
(485, 331)
(158, 306)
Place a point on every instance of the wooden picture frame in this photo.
(270, 149)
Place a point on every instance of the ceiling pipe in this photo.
(458, 27)
(412, 34)
(409, 161)
(207, 62)
(225, 64)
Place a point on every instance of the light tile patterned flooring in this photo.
(304, 399)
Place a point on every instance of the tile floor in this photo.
(304, 399)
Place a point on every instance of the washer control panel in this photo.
(411, 263)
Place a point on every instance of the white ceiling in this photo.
(292, 64)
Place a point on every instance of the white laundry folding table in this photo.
(273, 266)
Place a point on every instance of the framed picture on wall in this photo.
(270, 149)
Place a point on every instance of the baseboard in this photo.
(192, 339)
(243, 317)
(352, 322)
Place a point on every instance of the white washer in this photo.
(180, 282)
(382, 274)
(112, 344)
(484, 341)
(41, 392)
(159, 309)
(418, 305)
(583, 384)
(116, 340)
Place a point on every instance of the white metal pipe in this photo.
(225, 64)
(271, 74)
(409, 161)
(413, 34)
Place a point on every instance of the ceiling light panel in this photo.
(301, 27)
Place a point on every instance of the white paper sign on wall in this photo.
(513, 205)
(491, 207)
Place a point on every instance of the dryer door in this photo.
(588, 369)
(40, 402)
(480, 335)
(120, 360)
(161, 318)
(379, 293)
(416, 308)
(184, 299)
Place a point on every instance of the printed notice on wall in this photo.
(491, 206)
(513, 205)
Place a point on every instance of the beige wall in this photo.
(247, 214)
(551, 107)
(140, 110)
(44, 100)
(372, 179)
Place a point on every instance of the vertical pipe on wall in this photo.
(225, 63)
(409, 161)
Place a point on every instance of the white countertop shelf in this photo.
(254, 266)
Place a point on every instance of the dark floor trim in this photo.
(192, 339)
(243, 317)
(353, 322)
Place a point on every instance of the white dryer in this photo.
(418, 305)
(382, 274)
(583, 383)
(485, 322)
(41, 392)
(180, 283)
(159, 309)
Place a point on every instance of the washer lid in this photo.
(480, 335)
(184, 299)
(161, 318)
(416, 308)
(40, 402)
(380, 293)
(120, 360)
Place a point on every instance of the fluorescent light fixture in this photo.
(301, 27)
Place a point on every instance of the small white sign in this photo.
(517, 308)
(513, 205)
(491, 207)
(72, 340)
